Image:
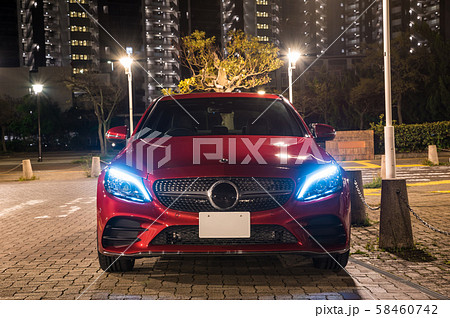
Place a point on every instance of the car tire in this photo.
(336, 264)
(114, 264)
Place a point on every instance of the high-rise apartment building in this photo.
(58, 33)
(436, 13)
(259, 18)
(161, 36)
(84, 44)
(321, 22)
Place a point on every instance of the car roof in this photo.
(219, 95)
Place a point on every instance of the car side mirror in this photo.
(117, 133)
(322, 132)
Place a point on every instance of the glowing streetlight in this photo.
(127, 61)
(37, 89)
(293, 57)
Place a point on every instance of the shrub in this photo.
(414, 137)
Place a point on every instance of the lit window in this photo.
(76, 70)
(77, 14)
(263, 38)
(79, 28)
(262, 14)
(262, 2)
(262, 26)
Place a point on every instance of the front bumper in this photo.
(308, 222)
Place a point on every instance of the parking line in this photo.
(365, 164)
(372, 192)
(412, 165)
(419, 184)
(369, 165)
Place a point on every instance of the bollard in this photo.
(95, 169)
(27, 171)
(432, 154)
(358, 210)
(395, 221)
(383, 167)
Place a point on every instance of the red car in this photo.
(229, 173)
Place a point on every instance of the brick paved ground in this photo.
(48, 251)
(431, 267)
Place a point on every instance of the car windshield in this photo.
(223, 116)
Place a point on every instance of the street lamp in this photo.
(37, 89)
(389, 139)
(293, 57)
(126, 62)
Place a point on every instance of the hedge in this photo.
(415, 137)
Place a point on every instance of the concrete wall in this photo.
(16, 82)
(352, 145)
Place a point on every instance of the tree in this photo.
(246, 64)
(405, 69)
(318, 96)
(103, 96)
(366, 97)
(436, 66)
(406, 75)
(7, 115)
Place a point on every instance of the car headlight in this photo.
(125, 185)
(322, 182)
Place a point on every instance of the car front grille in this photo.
(189, 235)
(191, 195)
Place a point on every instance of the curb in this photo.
(422, 289)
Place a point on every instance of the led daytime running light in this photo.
(320, 183)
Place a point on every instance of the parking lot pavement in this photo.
(410, 169)
(64, 165)
(48, 251)
(428, 264)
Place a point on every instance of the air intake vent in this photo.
(188, 235)
(121, 232)
(328, 230)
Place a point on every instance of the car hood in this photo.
(174, 157)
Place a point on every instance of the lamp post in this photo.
(37, 89)
(395, 221)
(389, 143)
(293, 57)
(126, 62)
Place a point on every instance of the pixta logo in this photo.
(141, 155)
(250, 150)
(150, 150)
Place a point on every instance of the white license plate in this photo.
(224, 224)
